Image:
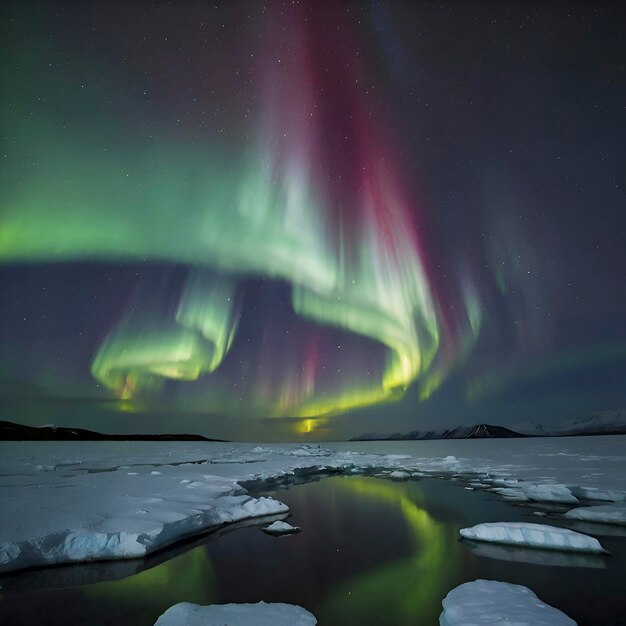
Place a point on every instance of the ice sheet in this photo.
(260, 614)
(281, 528)
(492, 603)
(604, 513)
(532, 536)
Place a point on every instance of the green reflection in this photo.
(409, 590)
(186, 578)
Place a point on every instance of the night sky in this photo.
(311, 219)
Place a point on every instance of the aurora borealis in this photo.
(262, 220)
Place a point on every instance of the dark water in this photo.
(371, 551)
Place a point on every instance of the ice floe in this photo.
(399, 475)
(538, 492)
(548, 493)
(260, 614)
(493, 603)
(604, 513)
(279, 528)
(532, 536)
(103, 521)
(593, 493)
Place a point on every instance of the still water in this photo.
(371, 552)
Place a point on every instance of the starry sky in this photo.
(290, 220)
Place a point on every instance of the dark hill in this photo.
(9, 431)
(488, 431)
(480, 431)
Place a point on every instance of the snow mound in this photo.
(259, 507)
(399, 475)
(533, 536)
(522, 491)
(309, 450)
(281, 528)
(492, 603)
(260, 614)
(605, 513)
(594, 493)
(549, 493)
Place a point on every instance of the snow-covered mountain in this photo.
(600, 423)
(478, 431)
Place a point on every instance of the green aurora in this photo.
(205, 220)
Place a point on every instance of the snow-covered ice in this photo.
(281, 528)
(532, 536)
(520, 491)
(492, 603)
(399, 475)
(604, 513)
(593, 493)
(596, 462)
(549, 493)
(68, 501)
(110, 515)
(260, 614)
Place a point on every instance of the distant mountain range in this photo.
(480, 431)
(9, 431)
(601, 423)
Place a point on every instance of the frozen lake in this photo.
(582, 460)
(372, 550)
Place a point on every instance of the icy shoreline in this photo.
(70, 502)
